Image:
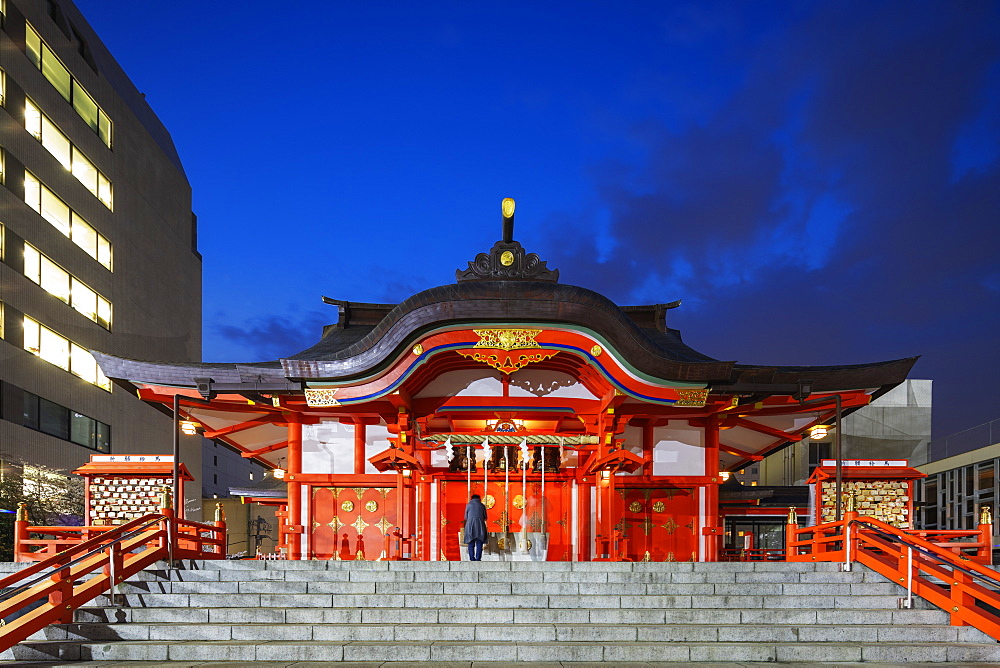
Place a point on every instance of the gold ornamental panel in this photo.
(659, 506)
(635, 507)
(519, 502)
(371, 506)
(695, 398)
(489, 501)
(348, 506)
(506, 258)
(321, 398)
(507, 339)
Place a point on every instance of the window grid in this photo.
(69, 156)
(58, 75)
(55, 420)
(57, 350)
(40, 198)
(65, 286)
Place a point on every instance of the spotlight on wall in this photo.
(606, 474)
(279, 473)
(189, 427)
(407, 473)
(724, 475)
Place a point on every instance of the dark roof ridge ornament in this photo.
(507, 260)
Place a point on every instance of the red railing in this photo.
(949, 573)
(102, 557)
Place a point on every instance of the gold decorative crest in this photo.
(489, 501)
(360, 556)
(371, 506)
(696, 398)
(635, 507)
(360, 525)
(321, 398)
(519, 502)
(418, 349)
(383, 524)
(507, 339)
(506, 258)
(596, 351)
(526, 546)
(659, 506)
(335, 524)
(502, 542)
(347, 506)
(670, 525)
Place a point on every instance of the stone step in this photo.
(508, 588)
(517, 632)
(495, 601)
(843, 617)
(519, 651)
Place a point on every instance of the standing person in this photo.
(475, 527)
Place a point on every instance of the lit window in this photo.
(55, 420)
(67, 221)
(60, 283)
(55, 349)
(69, 156)
(42, 57)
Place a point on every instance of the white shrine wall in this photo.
(678, 449)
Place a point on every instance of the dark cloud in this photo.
(274, 337)
(819, 215)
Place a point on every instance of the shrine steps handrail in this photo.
(111, 557)
(927, 569)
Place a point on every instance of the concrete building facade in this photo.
(99, 246)
(896, 425)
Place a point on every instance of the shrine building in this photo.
(591, 430)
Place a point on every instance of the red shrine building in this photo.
(591, 430)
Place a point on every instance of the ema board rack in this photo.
(882, 488)
(120, 488)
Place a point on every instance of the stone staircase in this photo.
(619, 613)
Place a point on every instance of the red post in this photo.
(984, 555)
(63, 592)
(295, 525)
(712, 489)
(21, 532)
(359, 447)
(791, 534)
(220, 531)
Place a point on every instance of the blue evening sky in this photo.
(818, 182)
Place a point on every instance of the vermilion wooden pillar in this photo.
(295, 523)
(424, 527)
(711, 520)
(583, 523)
(359, 447)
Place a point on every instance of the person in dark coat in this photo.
(475, 527)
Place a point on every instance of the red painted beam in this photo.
(242, 426)
(764, 429)
(267, 448)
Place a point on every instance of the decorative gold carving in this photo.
(489, 501)
(360, 556)
(443, 557)
(444, 520)
(659, 506)
(335, 524)
(360, 491)
(371, 506)
(519, 502)
(529, 544)
(646, 525)
(383, 525)
(646, 557)
(596, 351)
(384, 491)
(321, 398)
(348, 506)
(635, 507)
(695, 398)
(360, 525)
(507, 339)
(793, 517)
(670, 525)
(506, 258)
(985, 516)
(418, 349)
(670, 557)
(502, 542)
(503, 522)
